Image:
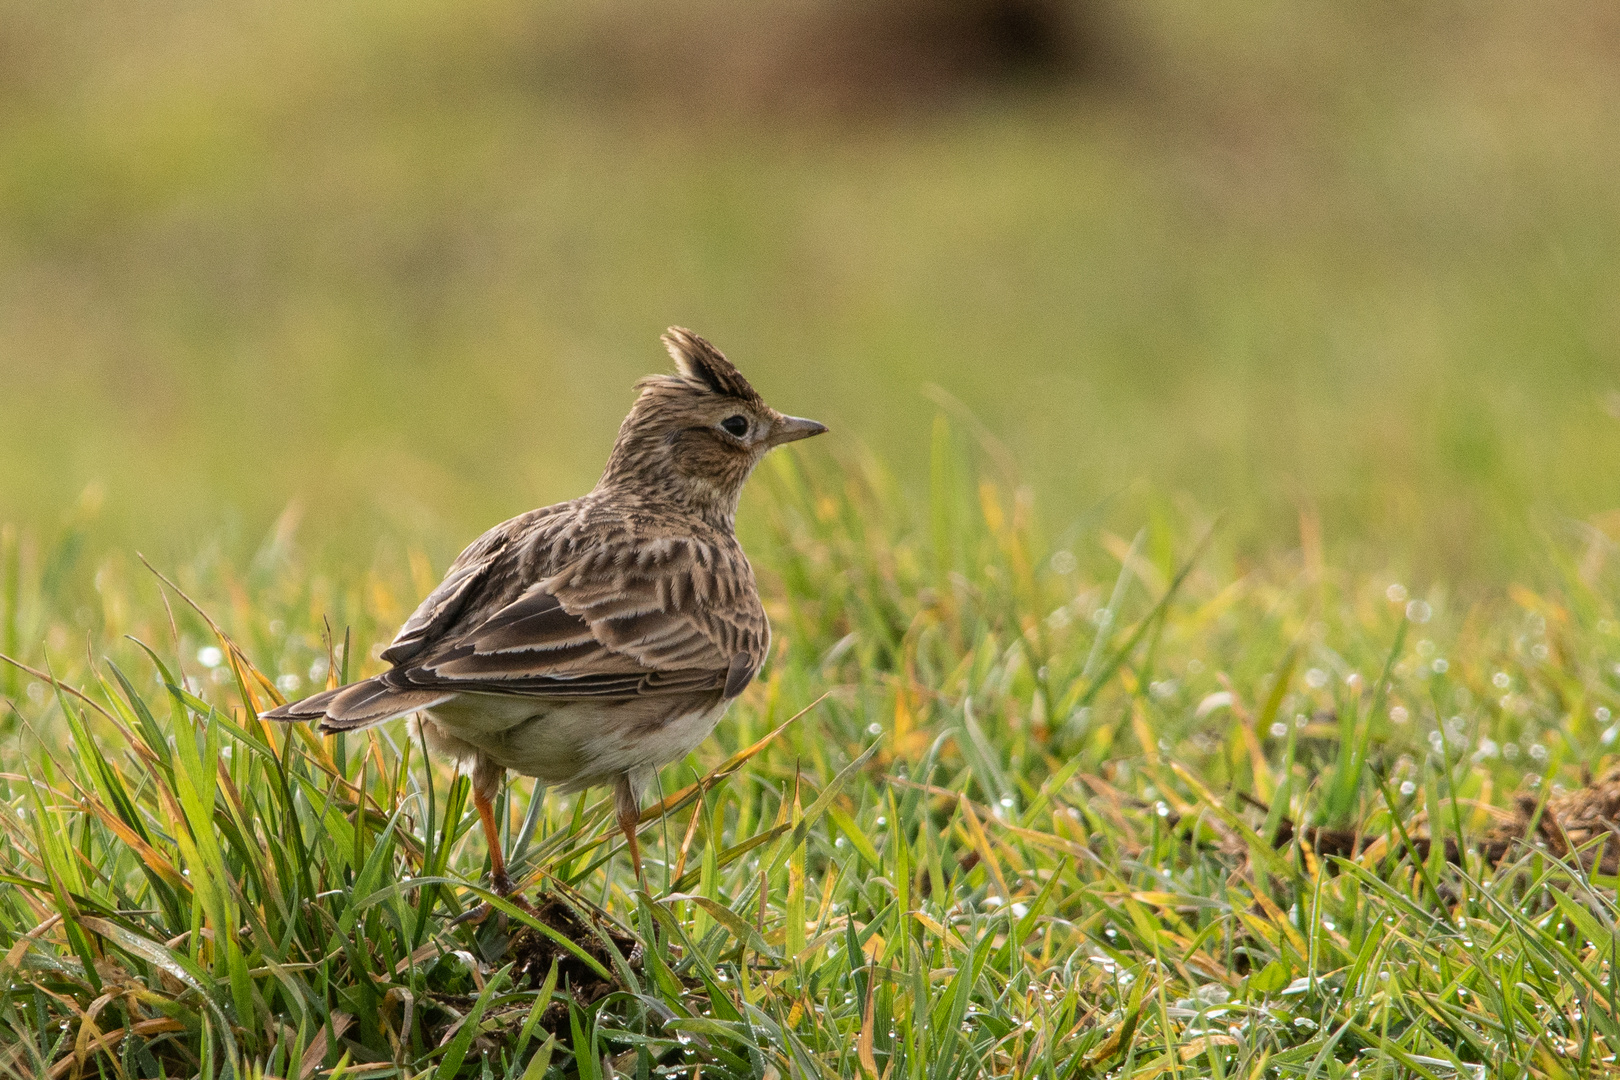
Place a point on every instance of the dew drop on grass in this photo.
(1316, 678)
(1396, 593)
(1501, 680)
(1007, 801)
(1419, 612)
(209, 656)
(1602, 714)
(874, 728)
(1407, 787)
(1399, 715)
(1279, 730)
(1440, 665)
(289, 683)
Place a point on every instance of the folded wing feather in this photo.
(557, 605)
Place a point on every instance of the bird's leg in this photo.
(629, 807)
(486, 783)
(497, 862)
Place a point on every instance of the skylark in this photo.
(594, 641)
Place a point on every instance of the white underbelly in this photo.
(568, 744)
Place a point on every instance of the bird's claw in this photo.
(503, 887)
(473, 916)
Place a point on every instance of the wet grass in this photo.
(1013, 797)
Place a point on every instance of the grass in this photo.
(1012, 798)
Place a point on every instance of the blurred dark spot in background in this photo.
(401, 260)
(860, 57)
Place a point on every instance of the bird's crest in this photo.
(706, 366)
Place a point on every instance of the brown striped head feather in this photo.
(691, 440)
(705, 366)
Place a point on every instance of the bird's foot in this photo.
(503, 887)
(473, 916)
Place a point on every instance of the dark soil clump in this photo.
(534, 952)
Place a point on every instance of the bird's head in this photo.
(693, 438)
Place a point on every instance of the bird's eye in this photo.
(736, 426)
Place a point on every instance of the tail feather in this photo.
(358, 705)
(310, 708)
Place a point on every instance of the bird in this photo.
(596, 640)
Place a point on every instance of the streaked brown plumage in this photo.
(596, 640)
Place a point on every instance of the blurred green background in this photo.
(398, 263)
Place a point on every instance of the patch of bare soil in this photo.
(1568, 825)
(1571, 821)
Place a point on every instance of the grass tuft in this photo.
(999, 806)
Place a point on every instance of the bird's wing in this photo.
(610, 613)
(480, 572)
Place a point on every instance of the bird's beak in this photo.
(792, 429)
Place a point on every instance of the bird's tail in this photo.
(358, 705)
